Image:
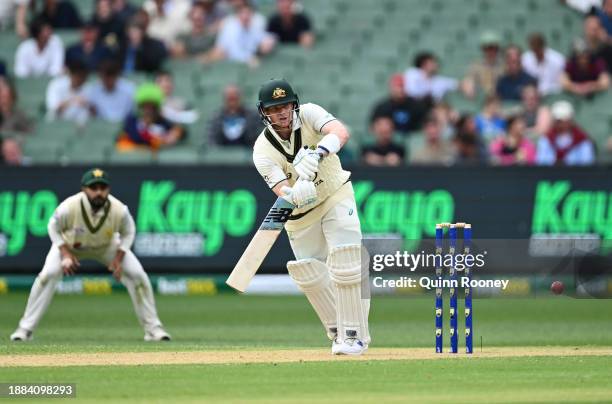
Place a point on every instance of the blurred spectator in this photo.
(290, 25)
(544, 64)
(199, 40)
(42, 54)
(168, 19)
(605, 15)
(234, 124)
(14, 12)
(215, 10)
(436, 150)
(2, 69)
(597, 40)
(383, 152)
(482, 75)
(148, 127)
(423, 81)
(111, 97)
(582, 6)
(60, 14)
(536, 115)
(469, 150)
(66, 97)
(141, 52)
(242, 37)
(89, 50)
(510, 85)
(490, 123)
(11, 152)
(585, 74)
(174, 108)
(446, 117)
(123, 10)
(513, 148)
(566, 143)
(111, 29)
(13, 121)
(406, 112)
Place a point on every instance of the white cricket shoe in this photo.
(21, 334)
(157, 334)
(351, 346)
(336, 344)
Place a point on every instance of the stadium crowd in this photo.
(523, 119)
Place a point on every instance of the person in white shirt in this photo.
(583, 6)
(544, 64)
(41, 55)
(111, 97)
(66, 97)
(242, 37)
(423, 81)
(93, 225)
(566, 143)
(168, 19)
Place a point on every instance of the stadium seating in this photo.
(360, 44)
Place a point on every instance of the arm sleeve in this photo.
(21, 66)
(271, 172)
(545, 155)
(305, 23)
(53, 99)
(215, 130)
(224, 37)
(57, 62)
(57, 224)
(315, 116)
(127, 231)
(585, 154)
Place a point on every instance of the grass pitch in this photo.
(229, 323)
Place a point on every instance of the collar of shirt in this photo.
(90, 211)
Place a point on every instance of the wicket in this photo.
(453, 308)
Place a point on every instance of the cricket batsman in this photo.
(92, 225)
(296, 156)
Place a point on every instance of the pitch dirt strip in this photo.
(278, 356)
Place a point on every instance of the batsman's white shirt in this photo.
(273, 158)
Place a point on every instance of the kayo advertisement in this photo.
(200, 219)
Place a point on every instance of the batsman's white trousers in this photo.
(339, 226)
(133, 278)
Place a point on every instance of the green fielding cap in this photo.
(95, 176)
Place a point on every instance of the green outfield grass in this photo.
(107, 324)
(480, 380)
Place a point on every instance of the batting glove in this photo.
(302, 194)
(306, 163)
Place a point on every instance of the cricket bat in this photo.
(260, 245)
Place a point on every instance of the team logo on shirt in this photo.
(278, 93)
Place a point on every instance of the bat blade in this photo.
(260, 245)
